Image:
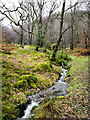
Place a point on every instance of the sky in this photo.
(10, 3)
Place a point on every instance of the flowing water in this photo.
(59, 89)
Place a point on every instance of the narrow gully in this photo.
(59, 89)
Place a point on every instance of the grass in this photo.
(78, 86)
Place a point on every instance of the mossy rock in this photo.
(43, 67)
(22, 84)
(57, 69)
(8, 111)
(20, 98)
(30, 78)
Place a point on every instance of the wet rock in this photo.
(29, 100)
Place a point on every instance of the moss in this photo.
(46, 80)
(30, 60)
(43, 67)
(57, 69)
(29, 67)
(22, 84)
(30, 78)
(7, 52)
(35, 58)
(31, 47)
(53, 46)
(16, 75)
(19, 80)
(20, 98)
(42, 55)
(61, 97)
(33, 85)
(23, 51)
(8, 112)
(4, 70)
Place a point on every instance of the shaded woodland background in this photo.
(33, 27)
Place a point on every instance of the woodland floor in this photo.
(26, 72)
(75, 104)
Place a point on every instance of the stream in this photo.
(59, 89)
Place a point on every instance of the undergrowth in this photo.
(24, 72)
(75, 104)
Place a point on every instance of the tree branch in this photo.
(14, 29)
(66, 29)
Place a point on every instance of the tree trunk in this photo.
(22, 41)
(29, 39)
(31, 34)
(72, 22)
(60, 34)
(40, 36)
(72, 27)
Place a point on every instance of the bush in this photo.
(61, 55)
(62, 59)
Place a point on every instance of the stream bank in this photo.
(59, 89)
(24, 72)
(75, 104)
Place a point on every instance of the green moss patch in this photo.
(43, 67)
(22, 84)
(23, 73)
(19, 98)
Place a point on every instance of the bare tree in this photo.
(60, 34)
(72, 28)
(30, 22)
(39, 11)
(18, 18)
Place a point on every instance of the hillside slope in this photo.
(24, 72)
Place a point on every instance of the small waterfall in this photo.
(29, 108)
(59, 89)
